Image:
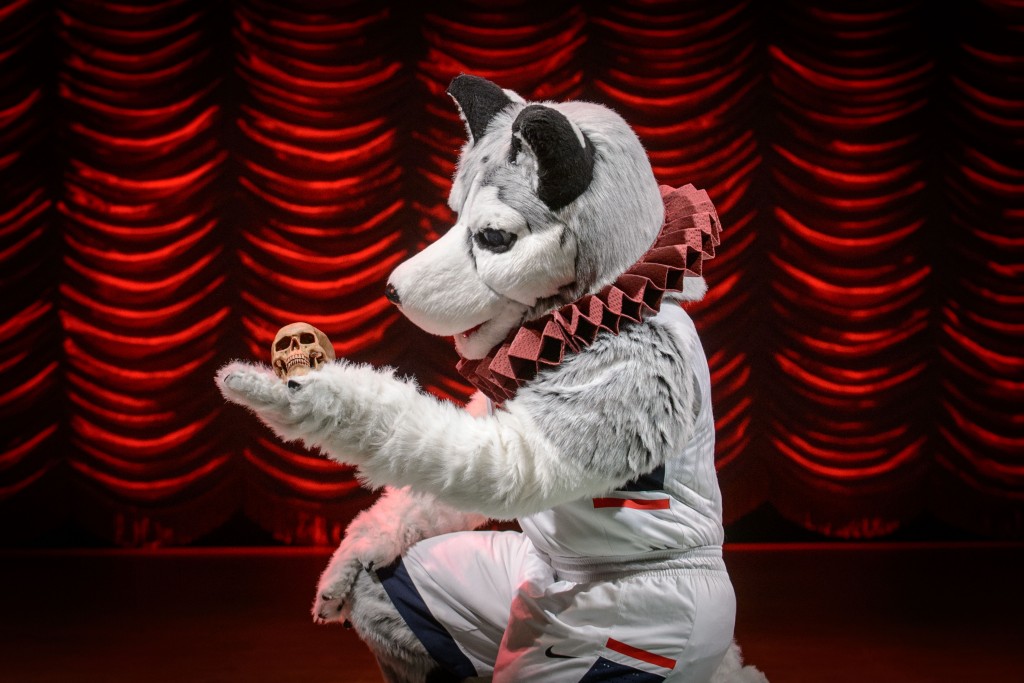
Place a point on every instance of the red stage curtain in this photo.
(30, 334)
(979, 483)
(849, 307)
(684, 75)
(143, 290)
(180, 178)
(321, 227)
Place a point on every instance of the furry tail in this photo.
(731, 670)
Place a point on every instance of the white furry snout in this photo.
(442, 293)
(484, 275)
(439, 289)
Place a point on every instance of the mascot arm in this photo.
(595, 422)
(501, 466)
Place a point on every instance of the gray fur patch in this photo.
(621, 408)
(398, 651)
(515, 191)
(469, 248)
(613, 221)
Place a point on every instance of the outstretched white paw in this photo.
(254, 386)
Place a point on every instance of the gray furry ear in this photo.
(479, 101)
(565, 156)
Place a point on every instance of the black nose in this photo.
(391, 294)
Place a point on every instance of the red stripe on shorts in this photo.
(635, 503)
(642, 655)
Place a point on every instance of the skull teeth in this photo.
(297, 360)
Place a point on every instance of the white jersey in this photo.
(678, 506)
(603, 588)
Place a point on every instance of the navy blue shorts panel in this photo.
(435, 638)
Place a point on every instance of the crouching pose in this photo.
(592, 427)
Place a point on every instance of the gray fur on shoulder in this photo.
(621, 407)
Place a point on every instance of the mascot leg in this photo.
(400, 655)
(349, 590)
(379, 536)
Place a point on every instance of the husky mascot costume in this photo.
(560, 283)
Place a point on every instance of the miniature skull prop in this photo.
(299, 348)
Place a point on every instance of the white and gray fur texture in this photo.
(554, 201)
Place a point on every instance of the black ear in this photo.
(565, 166)
(480, 101)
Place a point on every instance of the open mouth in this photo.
(470, 331)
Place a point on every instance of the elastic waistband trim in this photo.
(587, 569)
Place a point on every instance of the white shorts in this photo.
(488, 604)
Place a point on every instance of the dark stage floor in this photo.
(822, 613)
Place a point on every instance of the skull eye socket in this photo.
(307, 338)
(283, 343)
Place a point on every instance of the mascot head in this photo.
(554, 201)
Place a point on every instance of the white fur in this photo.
(440, 290)
(478, 344)
(606, 415)
(378, 536)
(514, 96)
(500, 465)
(694, 289)
(732, 670)
(537, 266)
(579, 134)
(453, 286)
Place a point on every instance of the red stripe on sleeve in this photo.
(642, 655)
(635, 503)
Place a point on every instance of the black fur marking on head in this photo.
(480, 101)
(564, 167)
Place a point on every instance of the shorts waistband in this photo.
(587, 569)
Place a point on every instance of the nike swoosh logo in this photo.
(548, 653)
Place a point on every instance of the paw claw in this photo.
(328, 612)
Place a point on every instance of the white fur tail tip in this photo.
(731, 670)
(694, 289)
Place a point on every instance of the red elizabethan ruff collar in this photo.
(687, 238)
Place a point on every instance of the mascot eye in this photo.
(497, 241)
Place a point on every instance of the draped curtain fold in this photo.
(979, 481)
(180, 178)
(320, 230)
(144, 269)
(850, 283)
(31, 437)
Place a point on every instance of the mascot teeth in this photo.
(593, 427)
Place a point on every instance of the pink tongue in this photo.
(471, 330)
